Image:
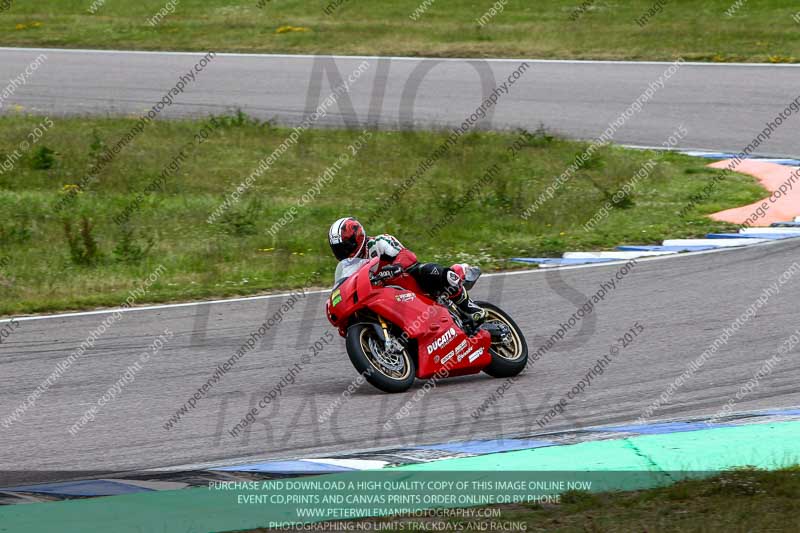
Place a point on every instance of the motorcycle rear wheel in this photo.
(507, 360)
(388, 372)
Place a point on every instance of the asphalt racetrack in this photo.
(683, 304)
(723, 107)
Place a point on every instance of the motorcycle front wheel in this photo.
(387, 371)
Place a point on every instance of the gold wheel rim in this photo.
(511, 351)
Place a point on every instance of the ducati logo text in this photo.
(449, 335)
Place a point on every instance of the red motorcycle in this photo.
(395, 333)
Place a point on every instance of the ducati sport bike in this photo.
(394, 332)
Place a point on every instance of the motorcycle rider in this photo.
(348, 239)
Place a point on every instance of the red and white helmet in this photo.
(347, 238)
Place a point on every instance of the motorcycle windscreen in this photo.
(346, 268)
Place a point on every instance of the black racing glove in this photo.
(387, 272)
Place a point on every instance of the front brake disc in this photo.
(390, 361)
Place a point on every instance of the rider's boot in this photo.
(469, 309)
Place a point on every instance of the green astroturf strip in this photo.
(767, 446)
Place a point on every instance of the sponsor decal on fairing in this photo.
(474, 355)
(448, 336)
(447, 357)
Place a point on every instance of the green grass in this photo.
(736, 501)
(758, 31)
(236, 255)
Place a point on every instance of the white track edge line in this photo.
(321, 291)
(753, 157)
(397, 58)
